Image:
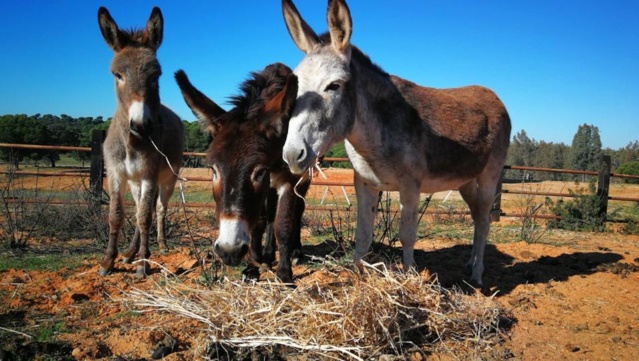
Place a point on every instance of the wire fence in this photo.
(96, 175)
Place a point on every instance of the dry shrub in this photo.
(342, 314)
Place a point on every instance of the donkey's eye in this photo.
(259, 174)
(332, 87)
(118, 76)
(154, 81)
(215, 172)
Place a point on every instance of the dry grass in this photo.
(342, 314)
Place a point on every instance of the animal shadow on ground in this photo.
(14, 347)
(503, 272)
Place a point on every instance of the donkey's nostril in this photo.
(302, 155)
(244, 249)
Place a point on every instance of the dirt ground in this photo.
(573, 296)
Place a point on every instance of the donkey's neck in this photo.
(378, 107)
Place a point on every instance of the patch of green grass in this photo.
(189, 197)
(451, 231)
(48, 262)
(48, 330)
(625, 210)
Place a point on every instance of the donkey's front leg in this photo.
(134, 246)
(270, 209)
(144, 217)
(116, 219)
(252, 271)
(284, 228)
(366, 212)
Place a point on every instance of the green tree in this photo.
(85, 127)
(629, 153)
(585, 151)
(630, 168)
(22, 129)
(550, 155)
(521, 152)
(9, 133)
(197, 140)
(337, 151)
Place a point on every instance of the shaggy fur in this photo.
(252, 186)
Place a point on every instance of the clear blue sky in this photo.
(555, 64)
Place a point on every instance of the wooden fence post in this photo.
(96, 176)
(603, 185)
(495, 211)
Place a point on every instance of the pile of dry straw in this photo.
(342, 313)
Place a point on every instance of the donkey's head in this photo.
(136, 70)
(246, 147)
(323, 113)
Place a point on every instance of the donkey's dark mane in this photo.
(255, 90)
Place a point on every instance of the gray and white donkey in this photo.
(141, 134)
(399, 136)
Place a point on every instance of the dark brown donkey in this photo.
(143, 146)
(252, 185)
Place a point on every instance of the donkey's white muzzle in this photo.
(233, 242)
(139, 118)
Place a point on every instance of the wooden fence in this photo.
(96, 177)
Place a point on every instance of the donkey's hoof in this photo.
(476, 283)
(467, 270)
(141, 271)
(127, 260)
(297, 257)
(164, 251)
(251, 272)
(286, 277)
(104, 271)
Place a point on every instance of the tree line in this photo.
(584, 153)
(68, 131)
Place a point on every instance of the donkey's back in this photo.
(460, 131)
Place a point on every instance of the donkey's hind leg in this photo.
(165, 192)
(480, 199)
(297, 254)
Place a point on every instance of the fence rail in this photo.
(96, 175)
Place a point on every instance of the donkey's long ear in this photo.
(302, 34)
(290, 94)
(340, 25)
(207, 112)
(154, 29)
(110, 32)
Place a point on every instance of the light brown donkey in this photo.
(144, 143)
